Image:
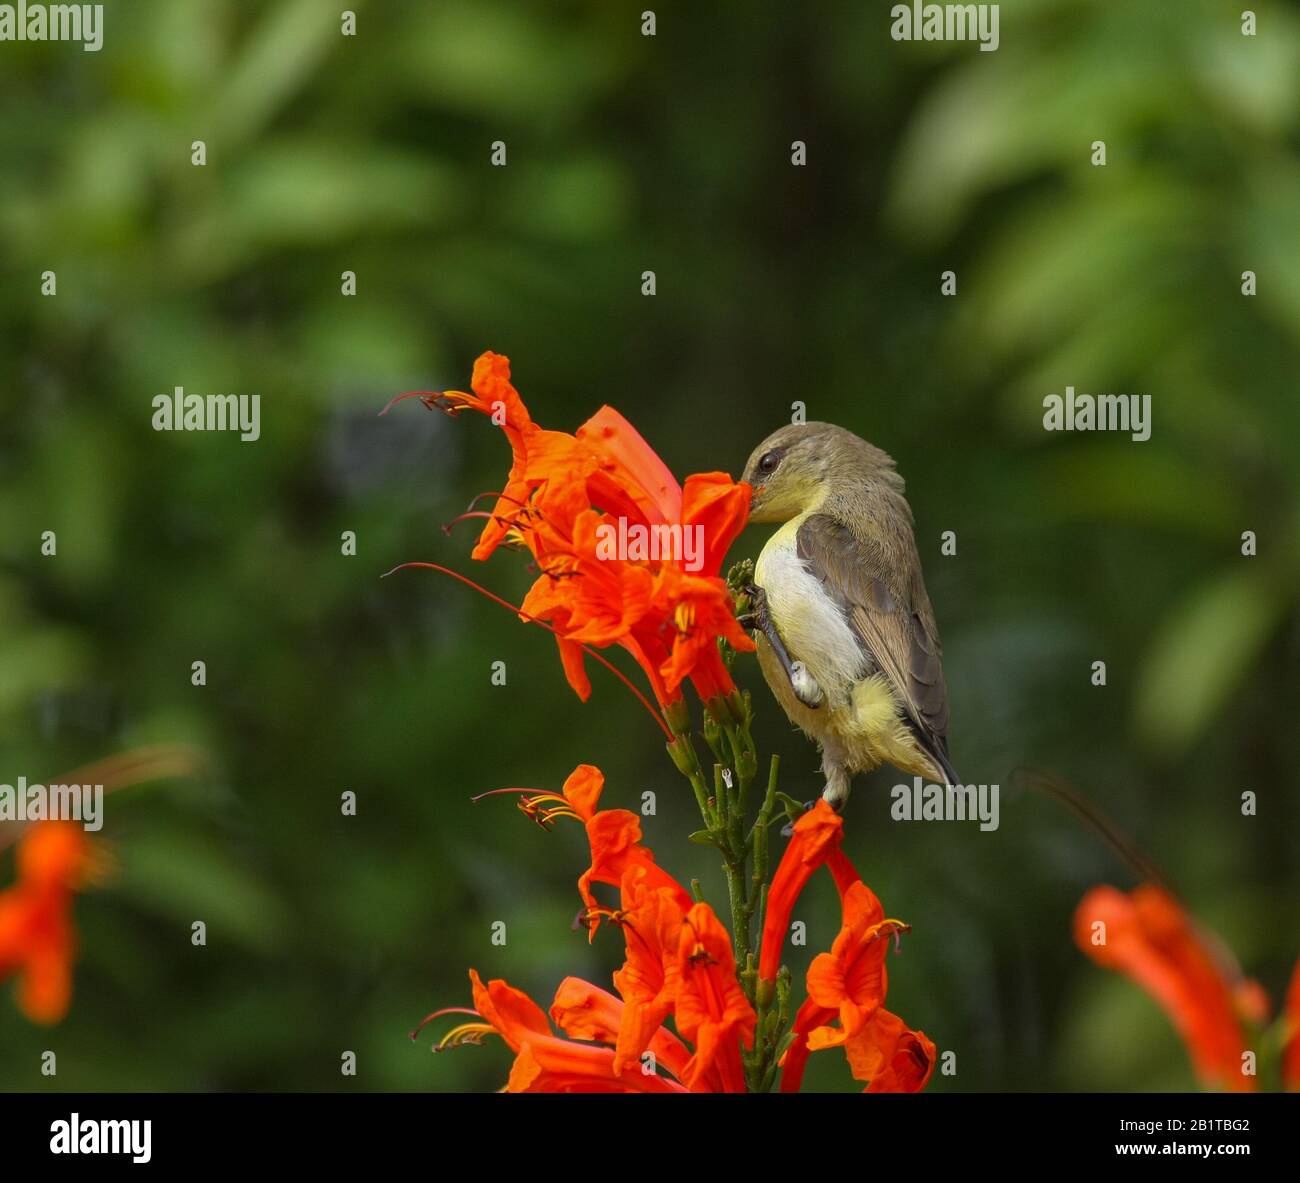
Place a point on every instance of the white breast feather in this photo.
(810, 622)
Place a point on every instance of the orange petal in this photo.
(810, 1017)
(711, 1009)
(582, 790)
(45, 992)
(826, 981)
(575, 670)
(635, 464)
(894, 1058)
(551, 1065)
(584, 1011)
(53, 854)
(514, 1015)
(721, 506)
(612, 834)
(649, 977)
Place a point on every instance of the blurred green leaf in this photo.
(1201, 654)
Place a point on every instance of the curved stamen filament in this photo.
(545, 817)
(889, 928)
(428, 397)
(541, 807)
(501, 497)
(595, 914)
(446, 1010)
(466, 516)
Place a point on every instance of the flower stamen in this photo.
(465, 1035)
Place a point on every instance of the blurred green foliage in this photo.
(775, 283)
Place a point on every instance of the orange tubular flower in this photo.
(561, 489)
(615, 839)
(886, 1052)
(894, 1058)
(1150, 938)
(816, 835)
(850, 983)
(545, 1063)
(851, 980)
(651, 919)
(614, 836)
(584, 1011)
(37, 939)
(712, 1011)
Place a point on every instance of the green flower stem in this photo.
(739, 915)
(682, 752)
(745, 860)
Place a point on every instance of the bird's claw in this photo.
(805, 686)
(755, 618)
(836, 796)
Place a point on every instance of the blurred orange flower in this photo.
(55, 860)
(37, 938)
(1149, 937)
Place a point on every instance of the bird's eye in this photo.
(768, 461)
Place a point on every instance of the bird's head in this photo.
(795, 468)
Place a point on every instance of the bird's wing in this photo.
(895, 625)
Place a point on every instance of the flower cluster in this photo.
(679, 965)
(696, 1007)
(560, 491)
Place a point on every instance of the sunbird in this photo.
(846, 636)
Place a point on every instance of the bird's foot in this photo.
(836, 798)
(805, 686)
(754, 620)
(836, 792)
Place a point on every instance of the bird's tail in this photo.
(940, 757)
